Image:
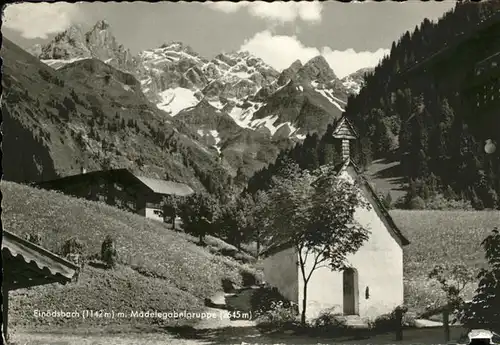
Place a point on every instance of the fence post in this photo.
(446, 324)
(399, 324)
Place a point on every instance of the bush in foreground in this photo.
(390, 322)
(330, 323)
(265, 299)
(280, 316)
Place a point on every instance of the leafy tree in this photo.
(235, 220)
(328, 154)
(453, 280)
(425, 192)
(477, 203)
(484, 311)
(310, 159)
(198, 213)
(416, 203)
(449, 193)
(170, 207)
(314, 212)
(260, 219)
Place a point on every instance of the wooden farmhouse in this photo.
(121, 188)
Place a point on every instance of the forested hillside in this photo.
(427, 106)
(89, 114)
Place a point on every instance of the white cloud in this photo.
(227, 6)
(348, 61)
(39, 20)
(278, 51)
(281, 51)
(277, 11)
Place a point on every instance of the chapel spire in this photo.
(346, 132)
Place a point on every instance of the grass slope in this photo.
(441, 237)
(159, 269)
(387, 177)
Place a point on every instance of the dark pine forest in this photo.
(431, 104)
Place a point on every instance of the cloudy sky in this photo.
(349, 35)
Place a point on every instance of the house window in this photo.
(367, 292)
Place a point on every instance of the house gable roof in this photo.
(154, 185)
(165, 187)
(373, 198)
(378, 205)
(45, 266)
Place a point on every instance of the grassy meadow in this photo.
(159, 269)
(163, 270)
(441, 237)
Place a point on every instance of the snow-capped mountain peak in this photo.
(175, 78)
(354, 82)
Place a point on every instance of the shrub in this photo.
(389, 322)
(35, 238)
(385, 322)
(440, 202)
(73, 249)
(483, 311)
(416, 203)
(108, 251)
(280, 315)
(248, 278)
(265, 298)
(409, 319)
(331, 322)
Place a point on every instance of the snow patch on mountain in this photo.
(281, 130)
(176, 99)
(216, 104)
(243, 115)
(58, 63)
(351, 85)
(328, 94)
(214, 136)
(339, 100)
(354, 82)
(266, 122)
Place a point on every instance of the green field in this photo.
(441, 237)
(159, 269)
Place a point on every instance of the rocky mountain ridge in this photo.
(263, 110)
(175, 77)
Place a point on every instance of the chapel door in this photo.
(350, 292)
